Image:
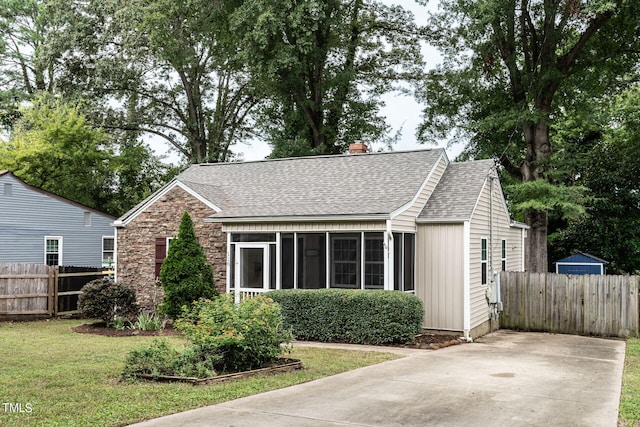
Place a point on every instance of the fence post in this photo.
(51, 286)
(56, 280)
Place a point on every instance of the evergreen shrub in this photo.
(185, 274)
(108, 301)
(352, 316)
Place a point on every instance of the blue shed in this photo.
(581, 263)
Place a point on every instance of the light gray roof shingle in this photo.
(457, 192)
(366, 184)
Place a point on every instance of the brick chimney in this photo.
(358, 147)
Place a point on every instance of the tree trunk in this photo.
(532, 169)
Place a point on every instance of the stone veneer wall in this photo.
(136, 244)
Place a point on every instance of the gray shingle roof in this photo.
(369, 184)
(457, 192)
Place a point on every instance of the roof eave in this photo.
(301, 218)
(441, 220)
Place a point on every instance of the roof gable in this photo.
(457, 193)
(582, 258)
(7, 173)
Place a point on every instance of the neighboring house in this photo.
(581, 263)
(38, 227)
(406, 221)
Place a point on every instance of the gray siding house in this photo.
(404, 221)
(38, 227)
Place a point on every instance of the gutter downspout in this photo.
(466, 291)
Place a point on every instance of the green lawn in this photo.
(630, 397)
(61, 378)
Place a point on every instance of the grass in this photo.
(61, 378)
(629, 413)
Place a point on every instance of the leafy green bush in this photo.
(246, 336)
(185, 274)
(160, 359)
(353, 316)
(108, 301)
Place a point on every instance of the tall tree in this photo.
(321, 66)
(169, 69)
(54, 147)
(612, 174)
(512, 66)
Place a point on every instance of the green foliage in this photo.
(185, 274)
(564, 201)
(361, 317)
(611, 172)
(160, 359)
(54, 147)
(148, 322)
(108, 301)
(321, 67)
(243, 336)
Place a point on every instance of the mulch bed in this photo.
(422, 341)
(434, 341)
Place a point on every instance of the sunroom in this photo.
(345, 258)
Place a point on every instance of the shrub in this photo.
(353, 316)
(246, 336)
(108, 301)
(185, 274)
(160, 359)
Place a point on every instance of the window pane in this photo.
(409, 261)
(374, 261)
(397, 261)
(272, 266)
(251, 267)
(312, 261)
(345, 261)
(484, 249)
(108, 243)
(287, 260)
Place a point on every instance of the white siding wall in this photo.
(303, 227)
(480, 225)
(406, 221)
(440, 274)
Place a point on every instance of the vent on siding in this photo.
(8, 189)
(87, 219)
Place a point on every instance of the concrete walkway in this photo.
(504, 379)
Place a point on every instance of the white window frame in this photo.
(484, 263)
(59, 239)
(357, 262)
(168, 243)
(113, 251)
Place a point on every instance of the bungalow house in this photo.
(405, 221)
(38, 227)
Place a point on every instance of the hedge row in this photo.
(352, 316)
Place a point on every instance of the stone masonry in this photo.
(136, 244)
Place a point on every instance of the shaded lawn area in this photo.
(71, 379)
(629, 414)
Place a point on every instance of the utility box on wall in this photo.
(581, 263)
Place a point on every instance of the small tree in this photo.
(185, 274)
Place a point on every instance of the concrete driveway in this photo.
(504, 379)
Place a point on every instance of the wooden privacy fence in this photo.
(570, 304)
(35, 289)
